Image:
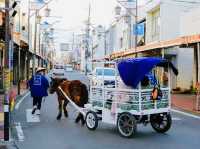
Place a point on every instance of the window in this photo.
(107, 72)
(155, 24)
(59, 67)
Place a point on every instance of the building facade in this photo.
(160, 25)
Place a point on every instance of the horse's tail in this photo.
(84, 93)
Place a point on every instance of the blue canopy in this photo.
(133, 70)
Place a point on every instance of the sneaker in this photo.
(38, 112)
(34, 109)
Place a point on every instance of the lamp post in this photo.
(87, 41)
(136, 30)
(37, 21)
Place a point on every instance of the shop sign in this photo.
(7, 79)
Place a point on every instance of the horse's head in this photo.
(55, 82)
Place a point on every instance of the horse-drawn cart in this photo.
(140, 94)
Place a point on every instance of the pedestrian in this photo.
(38, 86)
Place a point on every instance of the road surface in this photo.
(48, 133)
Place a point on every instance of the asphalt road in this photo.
(65, 134)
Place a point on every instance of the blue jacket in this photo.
(38, 85)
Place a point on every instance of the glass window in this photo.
(59, 67)
(107, 72)
(155, 24)
(99, 72)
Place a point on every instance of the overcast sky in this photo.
(75, 12)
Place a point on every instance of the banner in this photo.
(139, 29)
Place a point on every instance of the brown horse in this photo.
(75, 90)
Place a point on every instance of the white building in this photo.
(120, 35)
(163, 18)
(98, 43)
(190, 22)
(166, 20)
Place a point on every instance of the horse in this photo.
(75, 90)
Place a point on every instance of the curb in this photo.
(187, 111)
(18, 97)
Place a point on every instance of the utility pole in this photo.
(136, 18)
(35, 40)
(105, 44)
(87, 41)
(6, 72)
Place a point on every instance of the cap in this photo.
(40, 69)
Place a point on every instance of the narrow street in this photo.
(48, 133)
(141, 58)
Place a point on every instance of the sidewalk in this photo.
(23, 90)
(185, 102)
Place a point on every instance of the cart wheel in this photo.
(91, 120)
(161, 123)
(126, 125)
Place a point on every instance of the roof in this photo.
(133, 70)
(185, 40)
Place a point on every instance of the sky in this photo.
(75, 12)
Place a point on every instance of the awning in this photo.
(133, 70)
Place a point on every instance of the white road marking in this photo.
(186, 114)
(32, 118)
(21, 100)
(20, 133)
(176, 119)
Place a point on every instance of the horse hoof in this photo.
(58, 117)
(83, 123)
(66, 114)
(77, 120)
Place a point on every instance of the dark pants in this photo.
(37, 102)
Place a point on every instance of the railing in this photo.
(128, 99)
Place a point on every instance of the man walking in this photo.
(38, 87)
